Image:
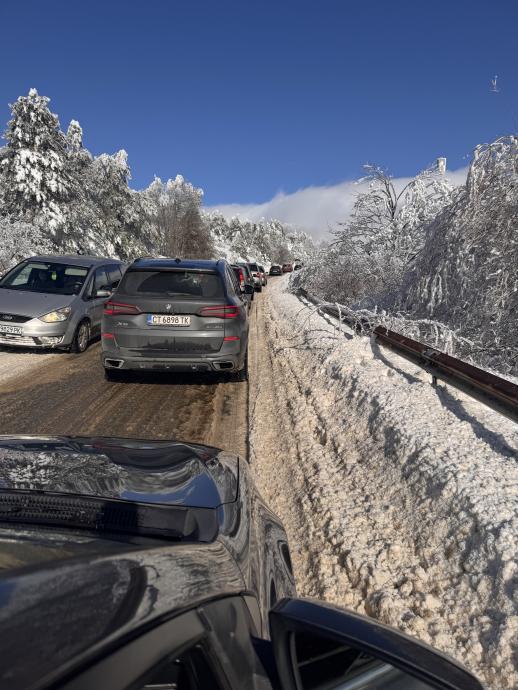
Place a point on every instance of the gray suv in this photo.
(56, 301)
(176, 315)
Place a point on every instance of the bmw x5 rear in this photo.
(172, 315)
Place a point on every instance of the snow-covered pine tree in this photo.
(36, 183)
(19, 240)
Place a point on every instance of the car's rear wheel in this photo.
(81, 338)
(259, 288)
(113, 374)
(242, 374)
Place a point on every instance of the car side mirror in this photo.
(318, 645)
(105, 291)
(249, 289)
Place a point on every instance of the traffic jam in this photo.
(162, 314)
(140, 563)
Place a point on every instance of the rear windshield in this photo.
(254, 267)
(47, 277)
(171, 283)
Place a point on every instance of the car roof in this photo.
(75, 259)
(200, 264)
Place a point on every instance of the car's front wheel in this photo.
(81, 338)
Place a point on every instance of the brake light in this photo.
(220, 312)
(115, 308)
(231, 337)
(241, 278)
(108, 336)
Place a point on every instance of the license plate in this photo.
(168, 320)
(13, 330)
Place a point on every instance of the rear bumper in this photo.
(221, 362)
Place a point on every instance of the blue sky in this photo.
(247, 98)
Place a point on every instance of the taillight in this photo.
(114, 308)
(220, 312)
(241, 278)
(231, 337)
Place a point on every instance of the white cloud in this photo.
(314, 209)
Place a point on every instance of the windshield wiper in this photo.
(108, 515)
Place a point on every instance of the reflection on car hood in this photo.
(160, 472)
(31, 304)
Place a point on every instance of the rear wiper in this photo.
(108, 515)
(181, 294)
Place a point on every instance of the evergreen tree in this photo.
(36, 184)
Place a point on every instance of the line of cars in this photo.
(278, 269)
(176, 315)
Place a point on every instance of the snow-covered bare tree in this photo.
(181, 228)
(35, 179)
(466, 274)
(386, 231)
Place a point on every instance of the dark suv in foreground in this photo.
(131, 565)
(176, 315)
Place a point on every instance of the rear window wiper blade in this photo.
(173, 522)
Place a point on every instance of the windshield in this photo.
(47, 277)
(172, 283)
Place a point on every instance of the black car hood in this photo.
(151, 472)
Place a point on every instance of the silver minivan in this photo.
(56, 301)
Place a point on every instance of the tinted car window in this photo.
(114, 275)
(232, 282)
(172, 283)
(99, 281)
(254, 267)
(46, 277)
(246, 270)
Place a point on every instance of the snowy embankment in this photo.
(400, 499)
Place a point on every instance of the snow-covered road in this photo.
(14, 362)
(400, 499)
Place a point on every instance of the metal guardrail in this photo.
(495, 392)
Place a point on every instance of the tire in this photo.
(113, 375)
(259, 289)
(81, 338)
(242, 374)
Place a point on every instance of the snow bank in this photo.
(400, 499)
